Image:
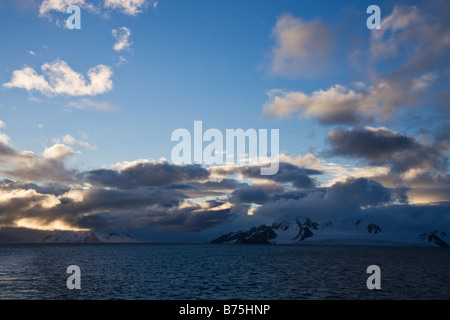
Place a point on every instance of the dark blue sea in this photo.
(182, 271)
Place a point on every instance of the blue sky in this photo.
(189, 61)
(350, 103)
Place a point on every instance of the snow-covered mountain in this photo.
(363, 231)
(287, 230)
(88, 237)
(435, 237)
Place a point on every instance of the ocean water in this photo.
(182, 271)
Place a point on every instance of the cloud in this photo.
(301, 48)
(88, 104)
(191, 217)
(61, 6)
(404, 66)
(358, 192)
(411, 32)
(122, 37)
(28, 166)
(22, 4)
(342, 105)
(134, 194)
(57, 152)
(428, 187)
(177, 198)
(122, 60)
(341, 199)
(250, 194)
(80, 207)
(147, 193)
(144, 173)
(216, 185)
(58, 78)
(34, 99)
(2, 124)
(5, 145)
(105, 208)
(128, 7)
(381, 146)
(287, 173)
(130, 195)
(71, 141)
(336, 105)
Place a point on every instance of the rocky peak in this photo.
(434, 237)
(256, 235)
(373, 228)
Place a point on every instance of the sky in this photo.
(86, 115)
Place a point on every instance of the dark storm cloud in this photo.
(223, 184)
(290, 195)
(384, 147)
(429, 186)
(134, 195)
(110, 199)
(188, 218)
(98, 208)
(250, 194)
(145, 174)
(56, 190)
(341, 198)
(357, 192)
(375, 145)
(193, 218)
(299, 177)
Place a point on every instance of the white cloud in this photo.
(87, 104)
(5, 139)
(68, 139)
(122, 60)
(122, 37)
(71, 141)
(129, 7)
(28, 79)
(2, 124)
(61, 6)
(58, 78)
(301, 47)
(58, 152)
(32, 52)
(34, 99)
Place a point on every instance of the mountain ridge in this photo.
(290, 230)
